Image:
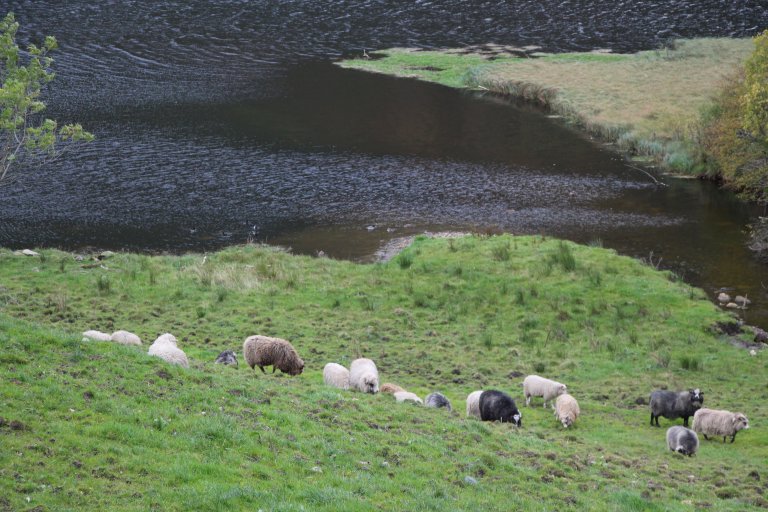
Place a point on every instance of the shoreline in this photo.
(648, 105)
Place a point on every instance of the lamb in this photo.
(673, 405)
(473, 404)
(712, 422)
(566, 409)
(97, 336)
(682, 440)
(264, 351)
(227, 357)
(125, 338)
(165, 348)
(499, 406)
(388, 387)
(533, 385)
(363, 376)
(407, 396)
(336, 376)
(438, 400)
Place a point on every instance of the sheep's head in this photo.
(567, 421)
(371, 384)
(562, 389)
(684, 451)
(740, 422)
(517, 419)
(297, 368)
(697, 397)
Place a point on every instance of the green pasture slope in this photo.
(97, 426)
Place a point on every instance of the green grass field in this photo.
(98, 426)
(649, 103)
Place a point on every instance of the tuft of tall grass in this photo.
(691, 363)
(501, 252)
(103, 284)
(563, 256)
(405, 260)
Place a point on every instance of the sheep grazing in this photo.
(363, 376)
(97, 336)
(673, 405)
(438, 401)
(227, 357)
(388, 387)
(264, 351)
(711, 422)
(499, 406)
(682, 440)
(125, 338)
(533, 385)
(336, 376)
(407, 396)
(473, 404)
(165, 348)
(566, 409)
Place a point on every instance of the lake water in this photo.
(221, 122)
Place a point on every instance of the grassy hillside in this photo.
(96, 426)
(649, 103)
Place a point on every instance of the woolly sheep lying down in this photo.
(473, 404)
(712, 422)
(675, 404)
(264, 351)
(533, 385)
(437, 401)
(682, 440)
(391, 388)
(335, 375)
(228, 357)
(566, 409)
(364, 376)
(165, 348)
(97, 336)
(407, 396)
(125, 338)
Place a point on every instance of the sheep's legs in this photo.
(527, 401)
(733, 438)
(262, 369)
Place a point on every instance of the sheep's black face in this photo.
(697, 397)
(517, 419)
(683, 451)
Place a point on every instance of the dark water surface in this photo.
(218, 122)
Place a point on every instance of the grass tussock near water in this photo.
(649, 103)
(97, 426)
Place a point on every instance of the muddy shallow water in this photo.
(221, 122)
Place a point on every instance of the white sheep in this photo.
(391, 388)
(363, 376)
(165, 347)
(407, 396)
(566, 409)
(712, 422)
(336, 375)
(97, 335)
(125, 338)
(533, 385)
(473, 404)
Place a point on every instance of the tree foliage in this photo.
(24, 133)
(755, 98)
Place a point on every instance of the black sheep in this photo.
(673, 405)
(498, 406)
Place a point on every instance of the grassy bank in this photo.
(649, 103)
(91, 425)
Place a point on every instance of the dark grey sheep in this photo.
(673, 405)
(499, 406)
(438, 400)
(682, 440)
(227, 357)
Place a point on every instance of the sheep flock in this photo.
(484, 405)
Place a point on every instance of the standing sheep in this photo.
(533, 385)
(473, 404)
(711, 422)
(165, 348)
(566, 409)
(336, 376)
(125, 338)
(388, 387)
(673, 405)
(228, 357)
(499, 406)
(407, 396)
(682, 440)
(438, 400)
(363, 376)
(264, 351)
